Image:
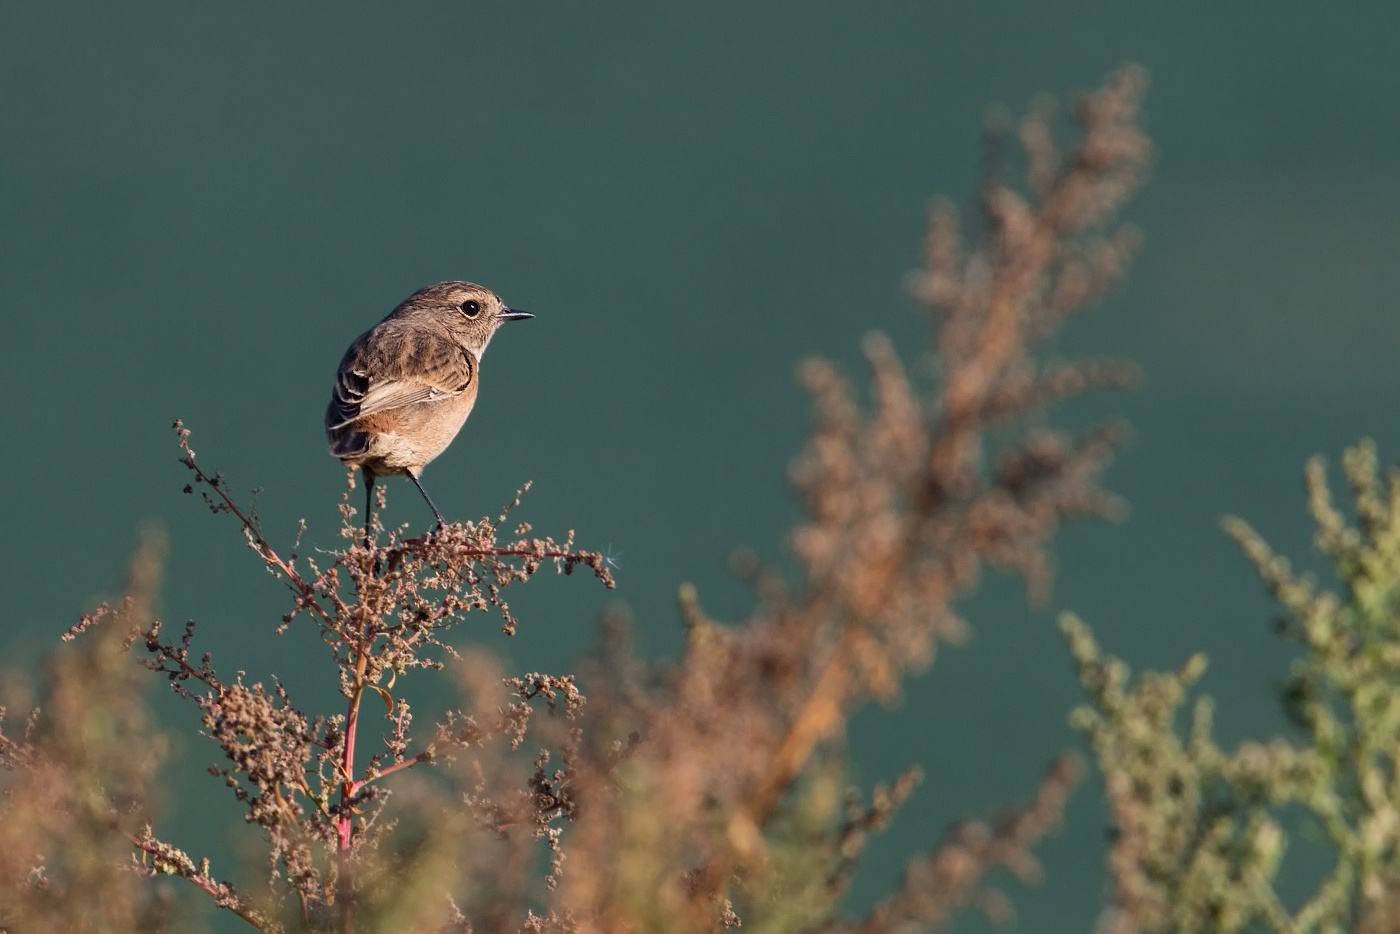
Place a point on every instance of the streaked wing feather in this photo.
(397, 393)
(390, 370)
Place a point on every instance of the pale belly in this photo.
(405, 439)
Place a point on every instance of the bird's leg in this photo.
(442, 523)
(369, 515)
(369, 501)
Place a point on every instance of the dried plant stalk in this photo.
(907, 498)
(76, 783)
(308, 781)
(709, 791)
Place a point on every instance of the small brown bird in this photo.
(406, 386)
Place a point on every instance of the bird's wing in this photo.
(390, 370)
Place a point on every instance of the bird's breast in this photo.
(409, 437)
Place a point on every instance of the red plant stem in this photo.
(223, 898)
(402, 764)
(189, 669)
(345, 823)
(464, 552)
(348, 785)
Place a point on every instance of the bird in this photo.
(406, 386)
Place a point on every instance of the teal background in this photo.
(202, 204)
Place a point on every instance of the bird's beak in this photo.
(512, 314)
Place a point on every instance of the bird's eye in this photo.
(471, 308)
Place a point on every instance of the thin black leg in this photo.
(369, 501)
(442, 523)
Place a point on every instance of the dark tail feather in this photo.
(348, 444)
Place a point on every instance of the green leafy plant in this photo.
(1200, 833)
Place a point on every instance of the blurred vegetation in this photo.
(77, 782)
(1200, 833)
(712, 790)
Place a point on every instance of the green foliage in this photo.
(1199, 832)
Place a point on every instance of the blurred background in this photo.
(202, 205)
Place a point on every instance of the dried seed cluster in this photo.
(712, 790)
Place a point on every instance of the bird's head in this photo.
(471, 313)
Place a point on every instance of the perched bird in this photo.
(406, 386)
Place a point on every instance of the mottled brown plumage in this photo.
(406, 386)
